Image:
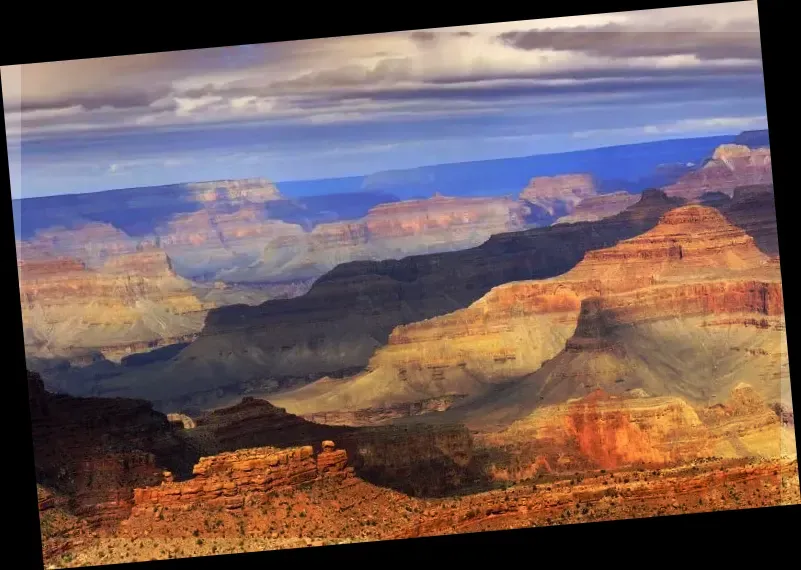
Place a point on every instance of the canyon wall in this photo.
(95, 451)
(388, 231)
(593, 208)
(614, 432)
(557, 196)
(132, 299)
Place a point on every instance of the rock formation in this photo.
(250, 190)
(132, 302)
(92, 244)
(594, 208)
(418, 459)
(753, 208)
(334, 328)
(611, 432)
(693, 267)
(730, 166)
(95, 451)
(228, 479)
(558, 195)
(388, 231)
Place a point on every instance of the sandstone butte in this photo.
(559, 195)
(693, 280)
(730, 166)
(132, 301)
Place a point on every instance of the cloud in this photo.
(703, 40)
(681, 127)
(691, 49)
(563, 78)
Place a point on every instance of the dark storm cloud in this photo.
(427, 37)
(738, 40)
(344, 83)
(632, 73)
(95, 101)
(659, 86)
(423, 36)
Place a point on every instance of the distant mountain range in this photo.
(632, 168)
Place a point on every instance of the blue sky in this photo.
(357, 105)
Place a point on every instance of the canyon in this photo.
(388, 231)
(694, 279)
(216, 367)
(350, 311)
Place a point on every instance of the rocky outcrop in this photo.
(95, 451)
(594, 208)
(730, 166)
(753, 208)
(349, 312)
(418, 459)
(229, 479)
(558, 195)
(612, 432)
(134, 301)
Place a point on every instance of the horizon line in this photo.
(428, 165)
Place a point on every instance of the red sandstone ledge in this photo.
(223, 480)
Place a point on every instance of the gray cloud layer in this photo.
(702, 39)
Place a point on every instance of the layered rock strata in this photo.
(614, 432)
(730, 166)
(558, 196)
(351, 311)
(692, 264)
(595, 208)
(388, 231)
(132, 300)
(226, 480)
